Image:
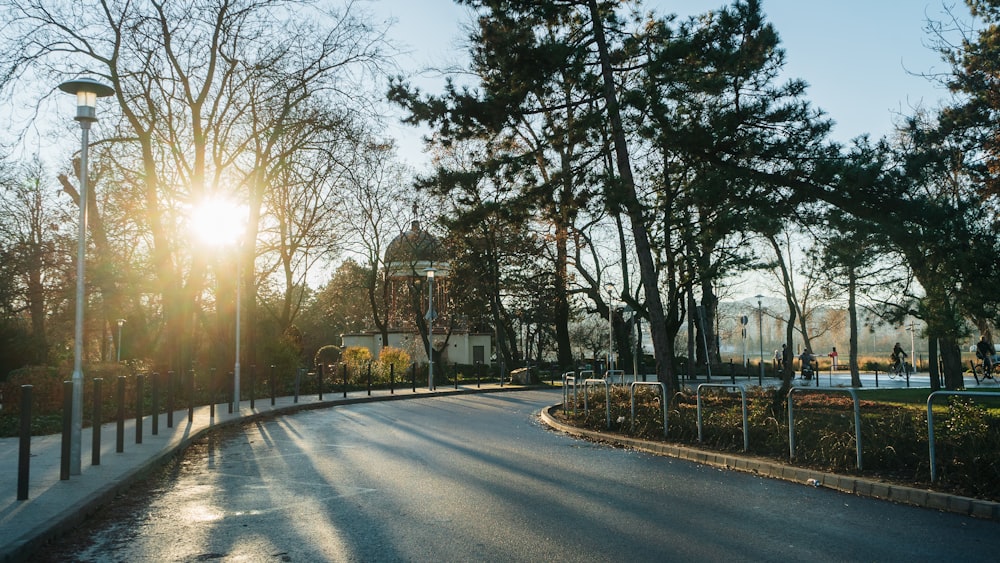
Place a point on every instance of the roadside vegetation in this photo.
(893, 431)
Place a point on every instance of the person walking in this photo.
(985, 352)
(833, 357)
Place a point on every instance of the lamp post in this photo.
(236, 366)
(87, 90)
(120, 323)
(430, 328)
(760, 334)
(611, 332)
(913, 349)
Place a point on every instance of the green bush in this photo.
(396, 359)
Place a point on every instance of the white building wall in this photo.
(461, 346)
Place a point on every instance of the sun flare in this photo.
(217, 221)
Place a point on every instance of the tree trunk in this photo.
(852, 309)
(562, 309)
(932, 360)
(951, 357)
(635, 209)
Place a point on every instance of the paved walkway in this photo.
(869, 380)
(54, 506)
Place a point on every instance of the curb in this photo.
(922, 498)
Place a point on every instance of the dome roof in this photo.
(414, 248)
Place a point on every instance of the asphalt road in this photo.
(477, 478)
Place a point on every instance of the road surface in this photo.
(478, 478)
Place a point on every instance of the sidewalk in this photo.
(54, 506)
(840, 378)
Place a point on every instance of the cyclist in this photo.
(898, 357)
(806, 359)
(985, 352)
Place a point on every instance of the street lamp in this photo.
(87, 91)
(913, 349)
(760, 333)
(236, 366)
(221, 222)
(120, 323)
(610, 288)
(430, 328)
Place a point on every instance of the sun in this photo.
(217, 221)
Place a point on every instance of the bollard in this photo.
(95, 425)
(66, 430)
(155, 398)
(170, 399)
(369, 379)
(392, 373)
(120, 434)
(211, 392)
(345, 380)
(253, 373)
(211, 402)
(876, 377)
(139, 381)
(271, 384)
(298, 382)
(24, 447)
(231, 383)
(191, 396)
(732, 372)
(319, 375)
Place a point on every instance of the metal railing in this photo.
(663, 401)
(930, 419)
(611, 373)
(569, 379)
(607, 397)
(743, 401)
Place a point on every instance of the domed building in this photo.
(409, 258)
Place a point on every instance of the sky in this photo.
(863, 59)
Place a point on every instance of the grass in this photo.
(906, 396)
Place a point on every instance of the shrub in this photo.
(392, 358)
(326, 355)
(894, 437)
(357, 359)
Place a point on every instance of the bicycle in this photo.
(899, 369)
(980, 372)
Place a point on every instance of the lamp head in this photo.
(430, 273)
(87, 91)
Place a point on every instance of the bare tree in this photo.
(31, 233)
(377, 198)
(208, 93)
